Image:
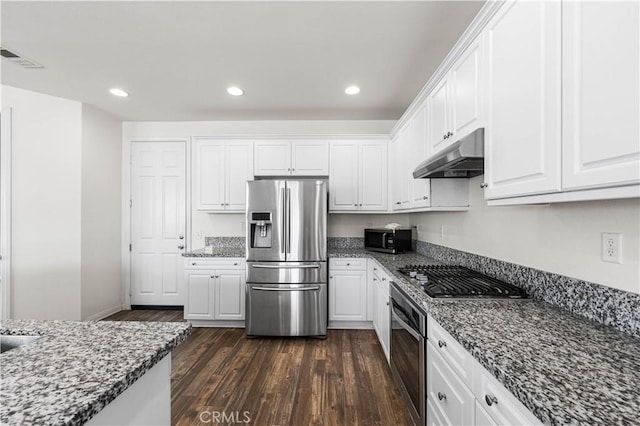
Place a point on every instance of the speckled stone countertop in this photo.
(76, 368)
(213, 251)
(564, 368)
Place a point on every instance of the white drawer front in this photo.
(500, 404)
(452, 351)
(213, 263)
(359, 264)
(450, 397)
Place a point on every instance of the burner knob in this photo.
(412, 274)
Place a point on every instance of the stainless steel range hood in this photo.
(463, 159)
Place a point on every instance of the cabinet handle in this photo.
(180, 247)
(398, 202)
(449, 134)
(217, 276)
(444, 137)
(222, 204)
(330, 277)
(425, 198)
(355, 205)
(360, 204)
(293, 170)
(348, 264)
(375, 279)
(490, 399)
(384, 279)
(235, 263)
(442, 344)
(181, 237)
(484, 185)
(442, 396)
(387, 303)
(289, 169)
(375, 269)
(193, 263)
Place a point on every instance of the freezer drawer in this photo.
(286, 310)
(287, 272)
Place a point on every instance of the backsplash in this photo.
(345, 242)
(605, 305)
(224, 241)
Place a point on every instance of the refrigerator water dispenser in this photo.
(261, 227)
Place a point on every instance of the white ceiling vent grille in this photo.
(13, 56)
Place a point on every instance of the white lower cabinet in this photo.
(215, 289)
(347, 290)
(460, 391)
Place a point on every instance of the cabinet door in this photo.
(384, 317)
(343, 176)
(465, 92)
(229, 295)
(438, 101)
(310, 158)
(374, 288)
(523, 134)
(347, 296)
(239, 170)
(601, 94)
(372, 179)
(272, 158)
(208, 174)
(199, 304)
(418, 152)
(395, 167)
(403, 173)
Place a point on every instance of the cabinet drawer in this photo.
(213, 263)
(449, 396)
(498, 403)
(356, 264)
(454, 354)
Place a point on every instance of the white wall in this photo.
(101, 276)
(561, 238)
(45, 205)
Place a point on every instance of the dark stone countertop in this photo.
(77, 368)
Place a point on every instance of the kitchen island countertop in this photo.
(75, 369)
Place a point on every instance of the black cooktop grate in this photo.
(442, 281)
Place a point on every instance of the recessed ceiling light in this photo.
(235, 91)
(119, 92)
(352, 90)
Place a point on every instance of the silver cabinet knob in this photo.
(348, 264)
(425, 198)
(398, 202)
(442, 344)
(384, 279)
(289, 169)
(235, 263)
(330, 277)
(293, 170)
(490, 399)
(355, 205)
(375, 269)
(181, 237)
(213, 276)
(193, 263)
(442, 396)
(375, 279)
(180, 247)
(222, 204)
(387, 303)
(484, 185)
(360, 204)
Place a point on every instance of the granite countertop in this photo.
(76, 368)
(217, 251)
(564, 368)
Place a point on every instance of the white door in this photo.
(601, 93)
(465, 92)
(418, 152)
(343, 176)
(239, 170)
(208, 174)
(200, 294)
(157, 222)
(348, 296)
(272, 158)
(438, 101)
(229, 295)
(310, 158)
(523, 132)
(372, 179)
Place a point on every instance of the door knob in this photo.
(180, 247)
(181, 237)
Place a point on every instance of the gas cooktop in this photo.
(447, 281)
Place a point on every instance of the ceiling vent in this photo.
(18, 59)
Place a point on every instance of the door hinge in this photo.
(129, 247)
(130, 203)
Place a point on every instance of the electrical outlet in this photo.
(611, 247)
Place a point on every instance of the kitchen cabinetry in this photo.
(215, 290)
(523, 131)
(291, 158)
(220, 171)
(462, 392)
(454, 105)
(601, 94)
(358, 176)
(348, 290)
(381, 317)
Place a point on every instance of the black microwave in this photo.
(387, 240)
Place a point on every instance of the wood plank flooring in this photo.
(343, 380)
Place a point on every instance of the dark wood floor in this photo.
(343, 380)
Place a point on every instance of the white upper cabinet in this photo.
(466, 92)
(439, 117)
(418, 150)
(220, 171)
(358, 176)
(291, 158)
(523, 128)
(601, 94)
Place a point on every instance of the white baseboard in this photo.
(216, 323)
(103, 314)
(351, 325)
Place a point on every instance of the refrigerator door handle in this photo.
(286, 266)
(288, 214)
(285, 289)
(284, 221)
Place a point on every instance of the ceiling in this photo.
(176, 58)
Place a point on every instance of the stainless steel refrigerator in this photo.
(286, 258)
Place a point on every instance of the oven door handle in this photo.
(286, 288)
(406, 326)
